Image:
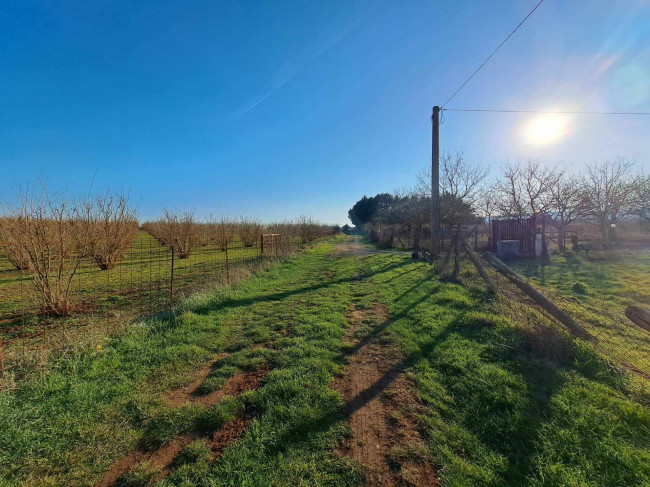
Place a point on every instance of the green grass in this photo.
(498, 413)
(139, 282)
(494, 413)
(595, 290)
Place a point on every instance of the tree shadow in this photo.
(517, 430)
(229, 303)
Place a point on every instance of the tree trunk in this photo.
(561, 237)
(416, 243)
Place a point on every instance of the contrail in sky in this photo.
(284, 76)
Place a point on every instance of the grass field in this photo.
(595, 290)
(488, 413)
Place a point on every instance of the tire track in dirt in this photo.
(182, 395)
(164, 456)
(379, 405)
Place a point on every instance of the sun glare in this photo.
(545, 128)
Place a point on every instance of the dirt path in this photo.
(354, 247)
(380, 406)
(164, 456)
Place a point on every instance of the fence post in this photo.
(2, 361)
(454, 245)
(227, 267)
(171, 281)
(492, 288)
(261, 246)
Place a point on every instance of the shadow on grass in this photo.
(511, 428)
(234, 303)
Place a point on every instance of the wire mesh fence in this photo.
(610, 332)
(149, 279)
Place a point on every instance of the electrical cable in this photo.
(493, 53)
(560, 112)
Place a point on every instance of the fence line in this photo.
(148, 280)
(623, 343)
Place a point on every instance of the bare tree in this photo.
(643, 196)
(222, 231)
(458, 177)
(610, 192)
(53, 234)
(113, 228)
(525, 189)
(568, 205)
(179, 232)
(461, 189)
(488, 202)
(249, 231)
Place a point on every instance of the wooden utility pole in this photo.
(435, 183)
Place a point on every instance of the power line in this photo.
(561, 112)
(493, 53)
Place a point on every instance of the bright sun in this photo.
(545, 128)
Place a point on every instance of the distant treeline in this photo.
(603, 194)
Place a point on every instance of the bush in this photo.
(222, 232)
(114, 227)
(580, 288)
(178, 232)
(52, 235)
(14, 251)
(249, 231)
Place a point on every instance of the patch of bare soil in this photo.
(236, 385)
(380, 406)
(164, 456)
(228, 434)
(180, 396)
(354, 248)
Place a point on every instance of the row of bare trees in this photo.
(51, 237)
(183, 232)
(603, 194)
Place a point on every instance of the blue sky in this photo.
(280, 108)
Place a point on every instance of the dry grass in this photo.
(34, 355)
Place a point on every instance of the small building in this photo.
(527, 231)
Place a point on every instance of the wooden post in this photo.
(171, 281)
(573, 326)
(454, 245)
(227, 266)
(2, 360)
(443, 263)
(261, 246)
(492, 288)
(435, 183)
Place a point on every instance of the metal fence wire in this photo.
(625, 345)
(149, 279)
